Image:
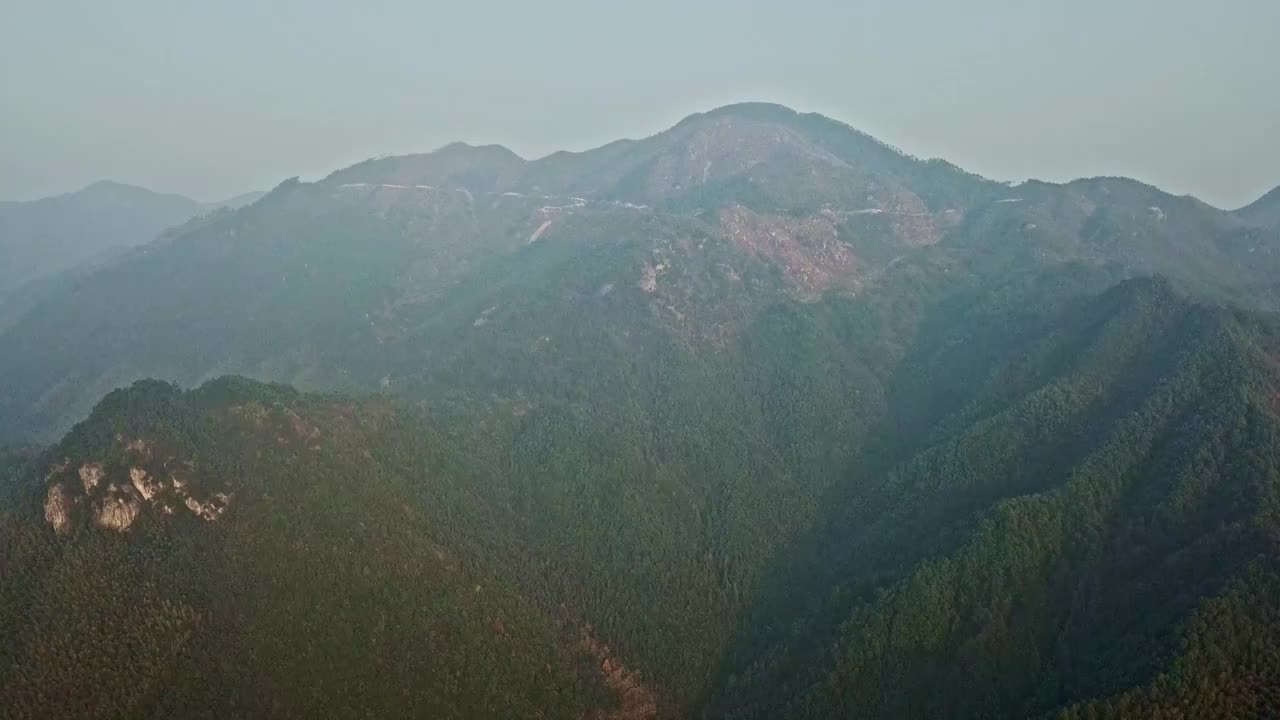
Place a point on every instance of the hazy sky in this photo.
(216, 98)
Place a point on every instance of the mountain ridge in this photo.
(718, 199)
(1085, 374)
(748, 110)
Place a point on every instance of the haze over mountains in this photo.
(757, 417)
(325, 284)
(42, 237)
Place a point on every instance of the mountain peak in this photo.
(484, 150)
(113, 187)
(458, 163)
(760, 111)
(113, 191)
(108, 184)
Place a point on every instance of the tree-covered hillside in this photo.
(352, 573)
(1041, 499)
(1055, 540)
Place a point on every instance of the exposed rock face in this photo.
(211, 509)
(157, 484)
(146, 486)
(57, 509)
(648, 279)
(117, 509)
(809, 250)
(90, 476)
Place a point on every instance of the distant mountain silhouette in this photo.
(43, 237)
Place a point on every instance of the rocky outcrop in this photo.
(648, 279)
(146, 486)
(90, 476)
(809, 251)
(114, 498)
(211, 509)
(57, 509)
(117, 509)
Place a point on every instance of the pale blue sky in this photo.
(214, 98)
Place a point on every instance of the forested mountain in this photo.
(237, 498)
(753, 418)
(43, 237)
(1045, 541)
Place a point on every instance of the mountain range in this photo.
(72, 232)
(757, 417)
